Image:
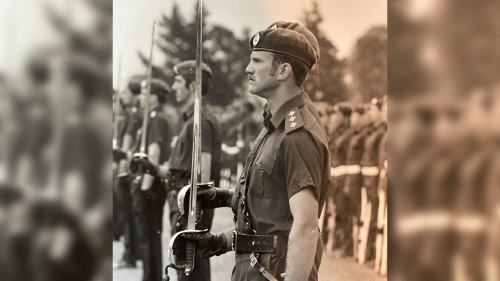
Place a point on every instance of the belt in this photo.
(258, 243)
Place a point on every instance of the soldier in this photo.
(287, 168)
(178, 172)
(370, 171)
(339, 126)
(126, 134)
(148, 192)
(353, 177)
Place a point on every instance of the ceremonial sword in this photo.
(194, 206)
(142, 150)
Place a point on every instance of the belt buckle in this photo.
(253, 260)
(235, 239)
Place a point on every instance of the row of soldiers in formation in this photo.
(355, 216)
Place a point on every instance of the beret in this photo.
(376, 102)
(188, 68)
(288, 38)
(344, 110)
(360, 109)
(158, 87)
(134, 84)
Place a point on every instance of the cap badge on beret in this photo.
(256, 39)
(274, 27)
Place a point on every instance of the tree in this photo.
(325, 82)
(223, 51)
(368, 65)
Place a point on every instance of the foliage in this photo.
(226, 53)
(325, 82)
(368, 65)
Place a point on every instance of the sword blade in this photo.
(148, 92)
(196, 157)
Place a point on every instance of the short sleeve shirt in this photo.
(211, 143)
(291, 154)
(160, 131)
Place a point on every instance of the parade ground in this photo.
(332, 267)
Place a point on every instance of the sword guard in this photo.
(136, 170)
(171, 244)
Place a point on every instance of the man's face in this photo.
(182, 93)
(261, 75)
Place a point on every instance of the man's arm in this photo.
(303, 236)
(154, 150)
(206, 166)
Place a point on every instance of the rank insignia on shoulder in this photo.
(294, 121)
(152, 114)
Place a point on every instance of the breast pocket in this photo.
(262, 177)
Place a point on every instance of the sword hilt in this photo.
(190, 246)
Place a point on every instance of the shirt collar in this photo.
(188, 113)
(280, 114)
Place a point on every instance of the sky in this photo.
(344, 21)
(23, 24)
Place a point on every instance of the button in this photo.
(260, 164)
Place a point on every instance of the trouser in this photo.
(126, 216)
(148, 213)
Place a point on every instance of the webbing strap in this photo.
(255, 263)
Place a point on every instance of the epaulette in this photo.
(293, 120)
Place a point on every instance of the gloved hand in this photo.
(143, 164)
(209, 196)
(206, 245)
(118, 155)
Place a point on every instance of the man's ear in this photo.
(192, 86)
(283, 71)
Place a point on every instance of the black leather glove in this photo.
(144, 165)
(209, 196)
(119, 155)
(206, 245)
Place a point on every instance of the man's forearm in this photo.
(154, 156)
(301, 251)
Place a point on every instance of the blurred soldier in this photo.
(354, 179)
(287, 168)
(370, 171)
(148, 191)
(338, 127)
(127, 131)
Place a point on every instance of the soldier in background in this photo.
(338, 126)
(353, 178)
(370, 171)
(148, 191)
(126, 136)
